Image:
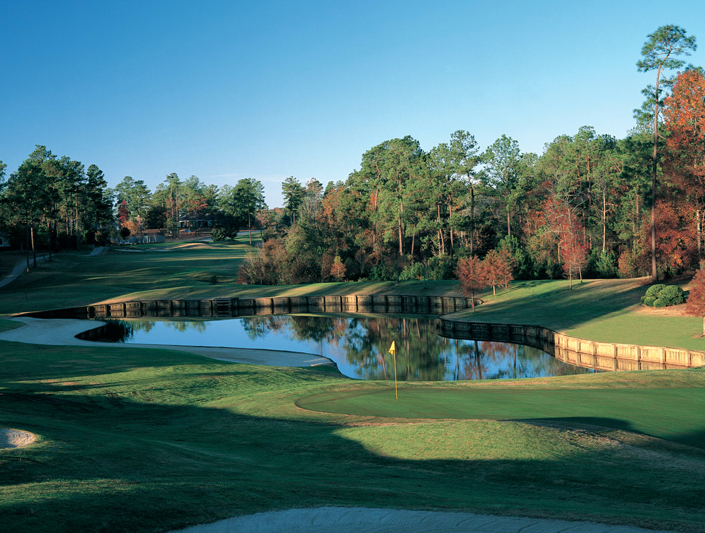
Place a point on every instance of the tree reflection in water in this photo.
(360, 346)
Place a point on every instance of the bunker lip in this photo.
(348, 519)
(15, 438)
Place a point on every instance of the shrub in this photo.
(649, 300)
(654, 290)
(671, 295)
(659, 302)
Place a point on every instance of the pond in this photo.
(359, 345)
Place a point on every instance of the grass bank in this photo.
(150, 440)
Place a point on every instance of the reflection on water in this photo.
(358, 345)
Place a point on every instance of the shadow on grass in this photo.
(562, 308)
(154, 440)
(173, 465)
(696, 439)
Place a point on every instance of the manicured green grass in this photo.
(150, 440)
(660, 404)
(603, 310)
(78, 279)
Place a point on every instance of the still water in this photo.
(358, 345)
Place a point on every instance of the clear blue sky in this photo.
(267, 89)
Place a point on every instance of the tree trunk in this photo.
(509, 227)
(654, 168)
(34, 250)
(472, 220)
(50, 239)
(249, 224)
(699, 232)
(78, 240)
(604, 221)
(450, 225)
(27, 246)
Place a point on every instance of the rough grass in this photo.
(150, 440)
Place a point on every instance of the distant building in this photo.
(148, 236)
(196, 221)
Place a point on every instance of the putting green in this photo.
(674, 413)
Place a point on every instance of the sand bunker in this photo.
(15, 438)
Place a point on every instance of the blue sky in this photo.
(268, 89)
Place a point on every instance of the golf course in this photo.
(149, 440)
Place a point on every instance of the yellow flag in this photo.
(393, 348)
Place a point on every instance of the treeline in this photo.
(52, 203)
(582, 208)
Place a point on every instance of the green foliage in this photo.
(436, 268)
(658, 302)
(671, 295)
(382, 272)
(654, 290)
(522, 265)
(221, 233)
(602, 264)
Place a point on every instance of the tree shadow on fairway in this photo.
(558, 309)
(132, 464)
(695, 438)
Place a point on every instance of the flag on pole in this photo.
(393, 351)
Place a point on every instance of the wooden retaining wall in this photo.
(574, 351)
(579, 352)
(233, 307)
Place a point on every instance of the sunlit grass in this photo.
(180, 439)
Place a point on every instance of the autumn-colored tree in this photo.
(675, 243)
(472, 276)
(337, 271)
(574, 254)
(497, 268)
(696, 299)
(684, 163)
(660, 52)
(123, 214)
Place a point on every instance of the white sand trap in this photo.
(350, 520)
(15, 438)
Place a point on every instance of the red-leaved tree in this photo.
(498, 269)
(684, 164)
(472, 276)
(696, 299)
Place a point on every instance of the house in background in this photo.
(4, 240)
(196, 223)
(148, 236)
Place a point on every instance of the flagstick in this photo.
(396, 391)
(393, 351)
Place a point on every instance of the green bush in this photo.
(659, 302)
(672, 295)
(655, 290)
(649, 300)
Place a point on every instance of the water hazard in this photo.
(358, 345)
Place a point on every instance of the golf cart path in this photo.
(62, 332)
(20, 267)
(357, 519)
